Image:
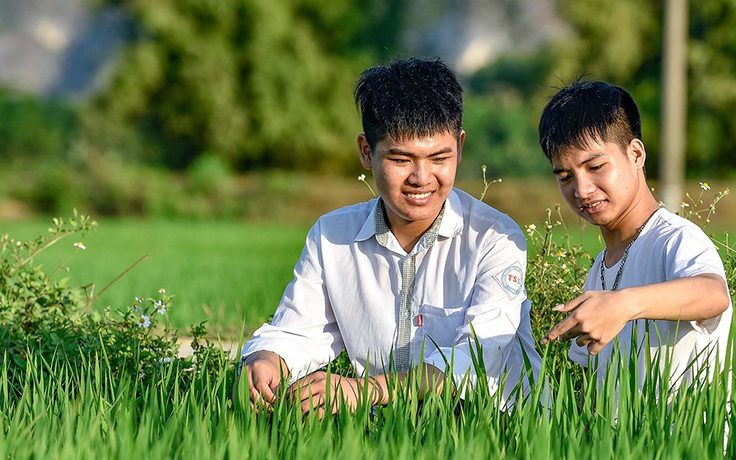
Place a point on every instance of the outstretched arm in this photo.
(596, 317)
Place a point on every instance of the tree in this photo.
(622, 42)
(260, 83)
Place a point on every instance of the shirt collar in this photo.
(449, 224)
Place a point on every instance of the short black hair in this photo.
(409, 98)
(585, 111)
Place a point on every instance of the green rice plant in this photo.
(178, 417)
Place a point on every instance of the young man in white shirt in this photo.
(406, 282)
(659, 282)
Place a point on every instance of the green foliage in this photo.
(203, 77)
(626, 49)
(178, 417)
(501, 133)
(44, 320)
(30, 126)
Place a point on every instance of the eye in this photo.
(596, 167)
(399, 161)
(563, 179)
(439, 159)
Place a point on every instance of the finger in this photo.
(313, 403)
(297, 390)
(575, 331)
(263, 389)
(595, 347)
(584, 339)
(571, 305)
(559, 330)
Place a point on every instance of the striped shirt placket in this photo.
(403, 335)
(402, 349)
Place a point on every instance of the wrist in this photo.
(270, 357)
(378, 393)
(633, 307)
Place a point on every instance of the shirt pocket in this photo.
(441, 324)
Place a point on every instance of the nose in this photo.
(420, 173)
(583, 186)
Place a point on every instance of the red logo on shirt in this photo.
(511, 280)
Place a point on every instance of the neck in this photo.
(618, 237)
(408, 235)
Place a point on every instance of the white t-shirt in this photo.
(669, 247)
(469, 285)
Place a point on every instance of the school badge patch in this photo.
(511, 280)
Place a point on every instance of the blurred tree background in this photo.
(213, 105)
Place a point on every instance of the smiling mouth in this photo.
(592, 205)
(418, 196)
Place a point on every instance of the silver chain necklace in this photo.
(623, 259)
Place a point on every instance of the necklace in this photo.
(623, 258)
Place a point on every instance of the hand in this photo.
(595, 318)
(265, 370)
(312, 392)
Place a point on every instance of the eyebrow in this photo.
(410, 154)
(593, 157)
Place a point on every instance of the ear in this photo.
(460, 143)
(365, 151)
(637, 152)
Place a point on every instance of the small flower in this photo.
(162, 291)
(80, 245)
(563, 267)
(160, 307)
(362, 179)
(704, 186)
(559, 281)
(561, 254)
(144, 321)
(684, 205)
(19, 244)
(165, 359)
(138, 299)
(530, 228)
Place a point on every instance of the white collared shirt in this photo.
(346, 293)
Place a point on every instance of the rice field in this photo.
(232, 274)
(60, 412)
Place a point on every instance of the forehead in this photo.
(590, 150)
(438, 141)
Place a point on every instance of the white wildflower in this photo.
(144, 321)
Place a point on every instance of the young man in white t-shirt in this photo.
(659, 273)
